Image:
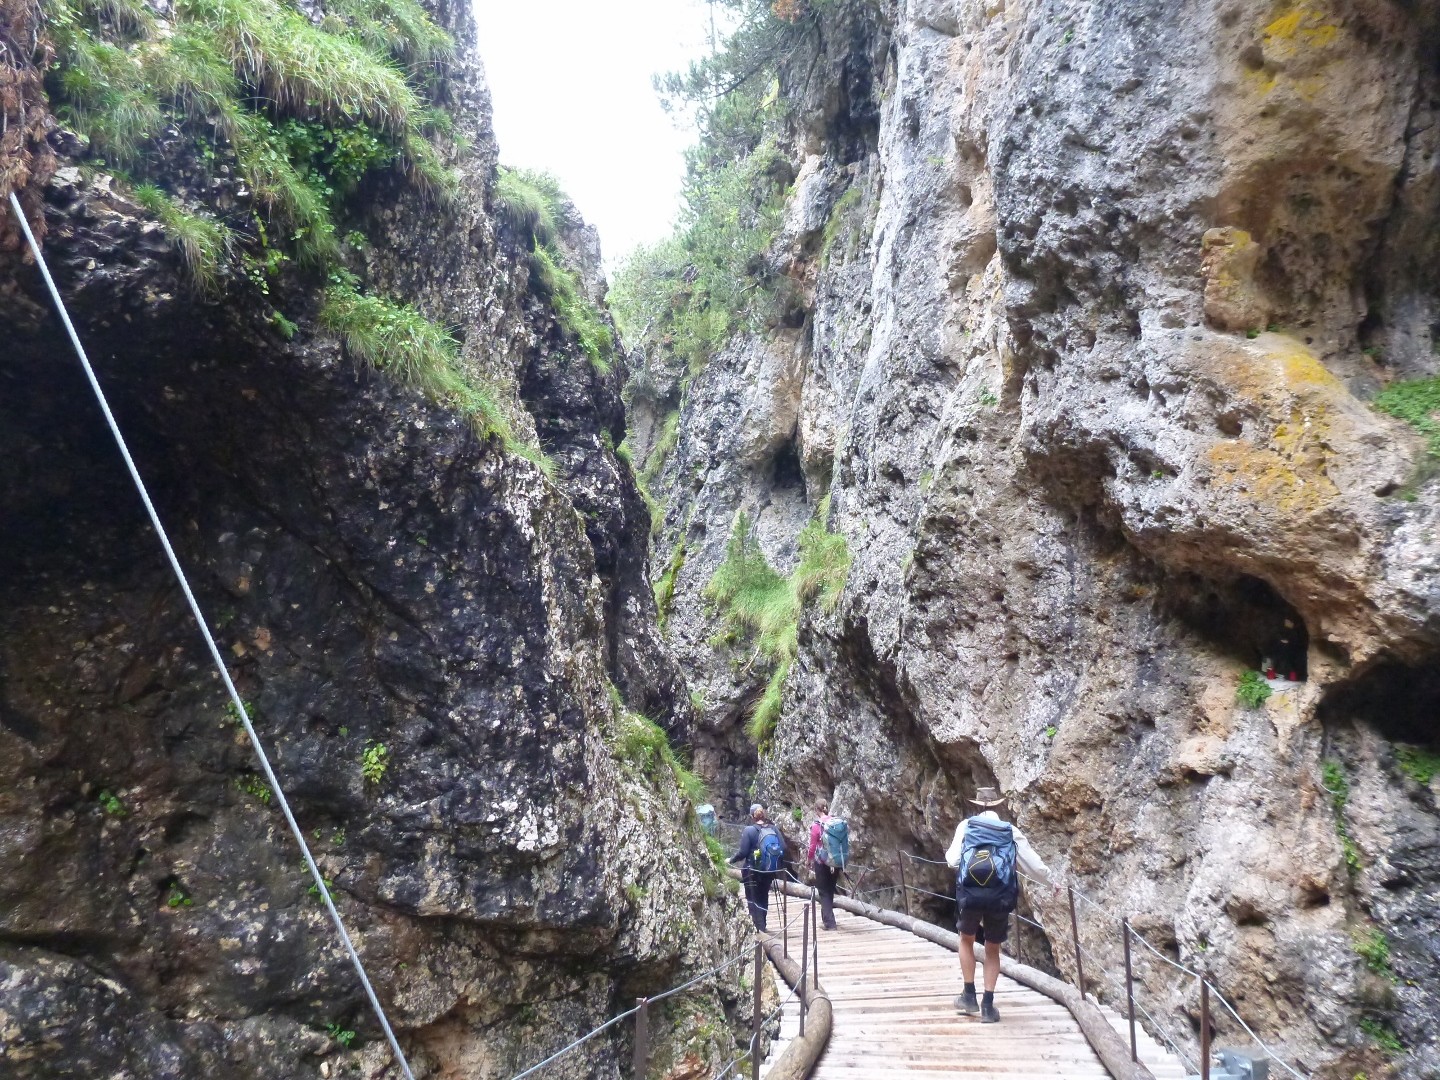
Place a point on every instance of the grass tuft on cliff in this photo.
(759, 603)
(531, 203)
(203, 242)
(299, 111)
(644, 744)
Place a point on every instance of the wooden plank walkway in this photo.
(893, 995)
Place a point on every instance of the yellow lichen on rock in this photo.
(1302, 26)
(1293, 390)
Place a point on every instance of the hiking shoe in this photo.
(989, 1014)
(967, 1003)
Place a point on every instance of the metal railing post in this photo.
(1075, 937)
(1129, 987)
(642, 1039)
(1204, 1029)
(755, 1021)
(785, 920)
(904, 890)
(804, 967)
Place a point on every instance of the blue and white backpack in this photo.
(986, 875)
(769, 850)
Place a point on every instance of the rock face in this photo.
(1094, 299)
(379, 576)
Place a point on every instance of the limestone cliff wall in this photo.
(1095, 296)
(378, 574)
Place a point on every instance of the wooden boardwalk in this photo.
(893, 995)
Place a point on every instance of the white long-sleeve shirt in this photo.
(1029, 862)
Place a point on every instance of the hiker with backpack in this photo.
(761, 858)
(828, 853)
(985, 854)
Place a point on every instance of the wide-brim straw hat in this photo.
(987, 797)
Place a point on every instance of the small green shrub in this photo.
(1252, 690)
(1418, 763)
(232, 712)
(251, 784)
(1051, 731)
(766, 717)
(752, 596)
(1417, 402)
(1373, 947)
(398, 340)
(179, 897)
(531, 202)
(987, 398)
(374, 760)
(110, 803)
(697, 700)
(300, 110)
(340, 1034)
(1383, 1035)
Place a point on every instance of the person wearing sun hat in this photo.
(985, 853)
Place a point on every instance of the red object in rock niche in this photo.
(1293, 677)
(1270, 673)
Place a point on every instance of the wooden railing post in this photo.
(804, 967)
(1075, 937)
(904, 891)
(1129, 987)
(1204, 1029)
(755, 1020)
(642, 1039)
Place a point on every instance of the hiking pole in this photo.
(755, 1020)
(1129, 986)
(642, 1039)
(1075, 937)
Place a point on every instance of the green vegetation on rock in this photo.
(1418, 763)
(643, 744)
(1373, 947)
(530, 202)
(1333, 777)
(1252, 690)
(758, 603)
(665, 587)
(254, 89)
(1417, 402)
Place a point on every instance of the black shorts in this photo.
(994, 921)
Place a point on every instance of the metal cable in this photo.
(1184, 1060)
(235, 698)
(1259, 1042)
(577, 1043)
(932, 862)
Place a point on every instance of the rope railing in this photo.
(739, 957)
(1128, 934)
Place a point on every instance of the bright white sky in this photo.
(571, 86)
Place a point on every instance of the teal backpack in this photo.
(834, 843)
